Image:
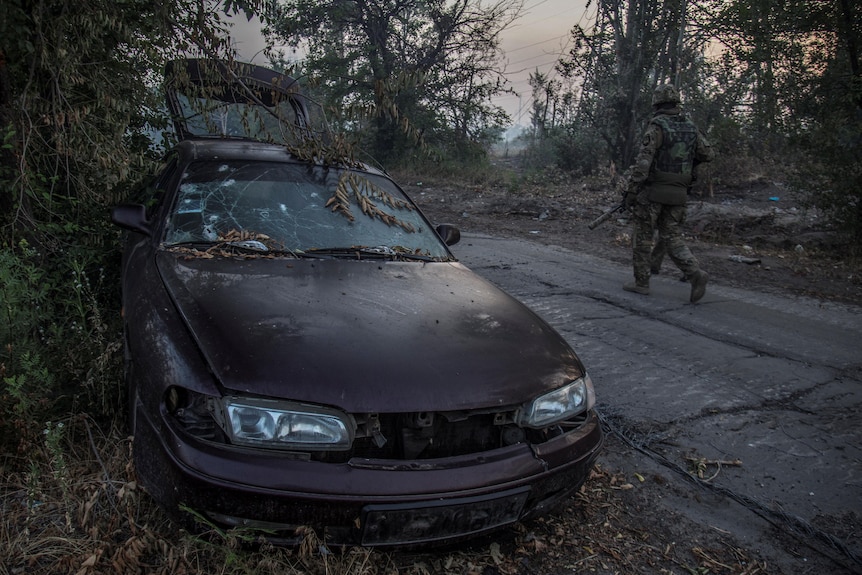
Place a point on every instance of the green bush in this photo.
(571, 149)
(579, 151)
(60, 337)
(830, 173)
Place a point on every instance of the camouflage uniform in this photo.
(657, 191)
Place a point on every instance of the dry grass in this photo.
(73, 506)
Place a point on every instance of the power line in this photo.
(556, 57)
(566, 35)
(525, 107)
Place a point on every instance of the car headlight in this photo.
(285, 425)
(559, 405)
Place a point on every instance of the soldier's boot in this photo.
(637, 287)
(698, 285)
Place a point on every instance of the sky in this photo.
(535, 41)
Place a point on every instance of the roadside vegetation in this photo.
(778, 87)
(76, 508)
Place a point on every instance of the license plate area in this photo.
(394, 524)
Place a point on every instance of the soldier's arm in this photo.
(650, 142)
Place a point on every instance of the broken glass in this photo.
(297, 208)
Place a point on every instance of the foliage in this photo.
(830, 161)
(398, 74)
(78, 102)
(59, 337)
(826, 107)
(630, 48)
(577, 150)
(472, 167)
(543, 110)
(76, 508)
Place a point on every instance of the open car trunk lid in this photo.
(233, 99)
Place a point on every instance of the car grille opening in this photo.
(445, 437)
(401, 436)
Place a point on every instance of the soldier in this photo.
(657, 191)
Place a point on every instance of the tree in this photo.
(79, 99)
(402, 68)
(80, 92)
(793, 69)
(828, 118)
(547, 94)
(631, 47)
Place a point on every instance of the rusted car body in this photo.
(304, 351)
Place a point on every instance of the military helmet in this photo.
(666, 93)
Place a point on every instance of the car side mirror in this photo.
(450, 234)
(132, 217)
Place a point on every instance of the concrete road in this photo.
(762, 391)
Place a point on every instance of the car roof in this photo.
(197, 148)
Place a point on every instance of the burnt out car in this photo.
(304, 351)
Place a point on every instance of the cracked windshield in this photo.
(278, 207)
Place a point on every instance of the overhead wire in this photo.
(557, 56)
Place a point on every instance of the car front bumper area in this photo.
(363, 502)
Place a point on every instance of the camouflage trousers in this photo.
(668, 221)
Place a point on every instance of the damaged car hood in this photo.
(424, 336)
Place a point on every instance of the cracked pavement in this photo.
(750, 399)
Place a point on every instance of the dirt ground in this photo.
(756, 234)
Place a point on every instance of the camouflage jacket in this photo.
(666, 163)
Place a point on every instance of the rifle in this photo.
(607, 215)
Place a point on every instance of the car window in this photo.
(296, 207)
(203, 116)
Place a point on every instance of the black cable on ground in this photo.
(794, 524)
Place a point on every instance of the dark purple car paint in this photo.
(429, 366)
(385, 331)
